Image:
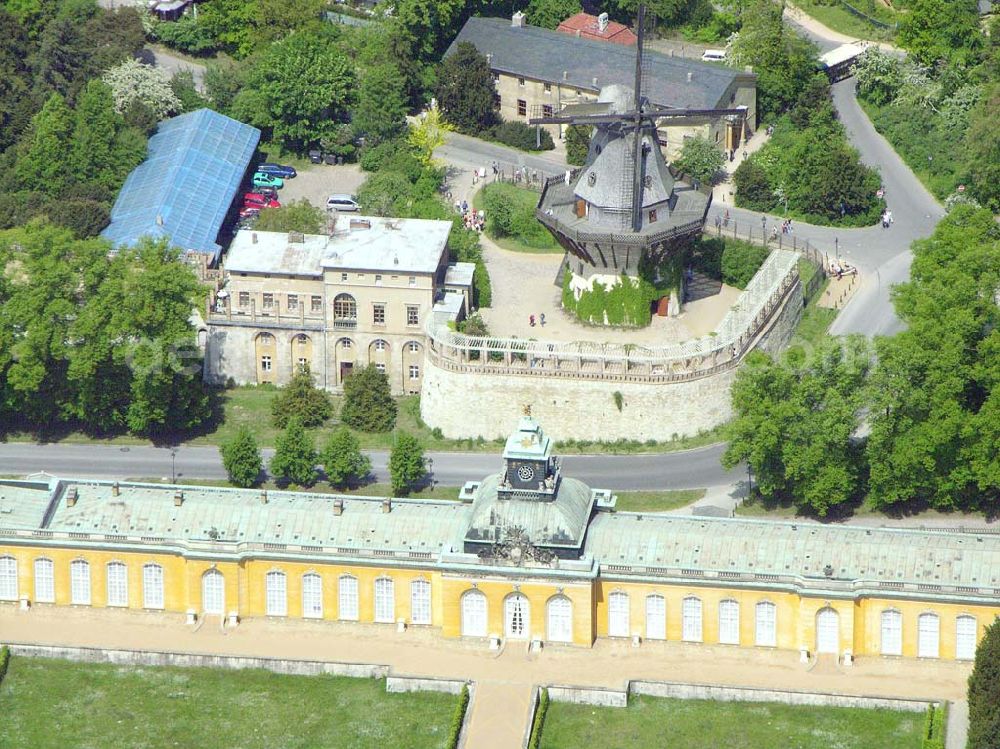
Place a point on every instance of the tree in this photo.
(670, 13)
(466, 92)
(982, 143)
(550, 13)
(40, 164)
(133, 83)
(427, 135)
(298, 89)
(294, 459)
(224, 79)
(424, 28)
(15, 77)
(936, 30)
(984, 692)
(187, 34)
(343, 460)
(368, 403)
(380, 112)
(753, 186)
(577, 144)
(94, 155)
(407, 465)
(299, 215)
(700, 159)
(182, 84)
(242, 459)
(878, 76)
(301, 400)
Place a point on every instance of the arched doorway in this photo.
(302, 353)
(266, 355)
(213, 594)
(473, 614)
(560, 619)
(346, 353)
(516, 616)
(827, 631)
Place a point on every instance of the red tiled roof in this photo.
(586, 26)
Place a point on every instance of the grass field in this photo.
(698, 724)
(50, 703)
(526, 200)
(835, 16)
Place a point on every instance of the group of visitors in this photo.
(517, 175)
(471, 218)
(541, 320)
(886, 218)
(841, 268)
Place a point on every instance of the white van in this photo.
(713, 55)
(342, 202)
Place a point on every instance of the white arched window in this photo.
(691, 619)
(276, 593)
(473, 614)
(385, 600)
(559, 616)
(928, 636)
(8, 579)
(420, 602)
(312, 596)
(766, 629)
(892, 632)
(965, 637)
(729, 622)
(117, 582)
(618, 614)
(656, 617)
(347, 597)
(79, 582)
(213, 592)
(45, 581)
(152, 586)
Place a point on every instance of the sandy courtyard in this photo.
(524, 285)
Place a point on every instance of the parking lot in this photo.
(317, 182)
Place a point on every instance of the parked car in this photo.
(252, 200)
(278, 170)
(249, 212)
(342, 202)
(260, 179)
(267, 192)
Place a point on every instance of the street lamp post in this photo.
(749, 481)
(430, 470)
(173, 465)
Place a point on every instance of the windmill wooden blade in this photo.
(637, 144)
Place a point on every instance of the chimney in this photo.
(387, 505)
(178, 498)
(565, 75)
(360, 223)
(338, 507)
(517, 20)
(159, 219)
(595, 80)
(579, 32)
(71, 496)
(690, 76)
(489, 59)
(263, 497)
(115, 489)
(602, 22)
(296, 237)
(253, 237)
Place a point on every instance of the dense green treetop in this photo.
(407, 465)
(368, 403)
(343, 460)
(242, 459)
(295, 457)
(465, 90)
(301, 400)
(984, 692)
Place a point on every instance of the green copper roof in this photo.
(529, 442)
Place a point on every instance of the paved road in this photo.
(684, 470)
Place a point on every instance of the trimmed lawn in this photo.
(53, 703)
(696, 724)
(814, 323)
(657, 501)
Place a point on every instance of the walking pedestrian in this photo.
(889, 214)
(541, 319)
(531, 320)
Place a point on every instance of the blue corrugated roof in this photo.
(195, 165)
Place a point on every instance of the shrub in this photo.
(577, 144)
(933, 736)
(521, 135)
(294, 458)
(368, 403)
(984, 692)
(241, 458)
(740, 261)
(541, 709)
(302, 400)
(458, 718)
(4, 661)
(406, 464)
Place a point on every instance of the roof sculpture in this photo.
(186, 186)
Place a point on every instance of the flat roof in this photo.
(459, 274)
(562, 58)
(402, 245)
(842, 54)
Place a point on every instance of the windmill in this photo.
(623, 206)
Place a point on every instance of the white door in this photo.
(656, 618)
(927, 636)
(892, 633)
(312, 596)
(729, 622)
(473, 614)
(827, 631)
(618, 625)
(213, 597)
(420, 602)
(516, 616)
(691, 620)
(965, 638)
(767, 630)
(8, 579)
(79, 582)
(560, 617)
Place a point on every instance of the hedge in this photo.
(458, 718)
(536, 727)
(4, 661)
(933, 735)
